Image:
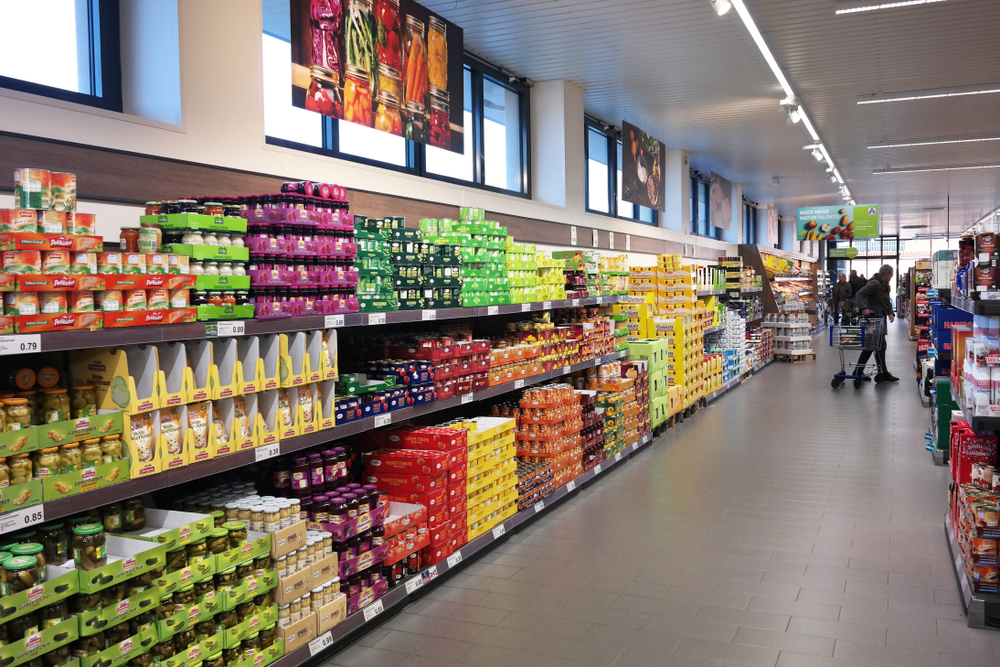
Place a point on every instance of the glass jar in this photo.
(214, 660)
(17, 415)
(193, 238)
(295, 611)
(176, 560)
(83, 401)
(244, 570)
(245, 610)
(57, 407)
(54, 538)
(227, 619)
(204, 630)
(162, 651)
(34, 405)
(272, 519)
(219, 518)
(20, 573)
(134, 516)
(357, 96)
(84, 602)
(139, 584)
(54, 614)
(229, 299)
(210, 238)
(91, 453)
(213, 208)
(211, 268)
(45, 462)
(70, 458)
(226, 579)
(231, 656)
(32, 549)
(111, 448)
(236, 241)
(415, 61)
(440, 120)
(116, 634)
(218, 541)
(153, 207)
(225, 268)
(184, 639)
(149, 239)
(261, 564)
(250, 646)
(292, 562)
(142, 622)
(4, 473)
(316, 598)
(89, 646)
(387, 118)
(267, 636)
(184, 597)
(196, 551)
(237, 533)
(263, 601)
(281, 566)
(89, 550)
(323, 96)
(387, 31)
(284, 616)
(416, 122)
(239, 269)
(196, 268)
(437, 53)
(129, 239)
(23, 627)
(111, 517)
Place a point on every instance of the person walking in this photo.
(875, 299)
(857, 282)
(841, 296)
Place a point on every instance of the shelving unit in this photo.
(982, 609)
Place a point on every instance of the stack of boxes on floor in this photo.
(489, 490)
(482, 248)
(975, 518)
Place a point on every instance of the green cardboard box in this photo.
(62, 582)
(192, 574)
(257, 544)
(232, 637)
(33, 646)
(249, 589)
(126, 559)
(222, 282)
(211, 253)
(88, 479)
(59, 433)
(215, 223)
(119, 654)
(195, 654)
(20, 496)
(96, 620)
(266, 656)
(172, 528)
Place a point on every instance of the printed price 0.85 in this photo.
(33, 517)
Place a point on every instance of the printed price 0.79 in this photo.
(29, 346)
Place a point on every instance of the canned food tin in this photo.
(156, 264)
(32, 188)
(984, 548)
(180, 298)
(135, 299)
(81, 302)
(985, 574)
(83, 263)
(82, 224)
(111, 301)
(52, 303)
(157, 299)
(22, 261)
(52, 222)
(133, 263)
(56, 261)
(178, 265)
(18, 220)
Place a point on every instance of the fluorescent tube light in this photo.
(934, 143)
(887, 5)
(882, 172)
(930, 96)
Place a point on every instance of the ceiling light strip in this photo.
(933, 96)
(883, 172)
(887, 5)
(935, 143)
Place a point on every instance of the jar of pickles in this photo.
(45, 462)
(162, 651)
(176, 560)
(16, 413)
(196, 551)
(91, 453)
(134, 515)
(20, 573)
(111, 517)
(70, 458)
(89, 550)
(184, 597)
(34, 405)
(226, 579)
(357, 96)
(33, 549)
(218, 541)
(20, 468)
(237, 533)
(111, 448)
(83, 401)
(214, 660)
(203, 588)
(57, 406)
(55, 540)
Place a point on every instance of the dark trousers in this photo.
(879, 357)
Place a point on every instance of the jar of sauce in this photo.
(129, 239)
(213, 208)
(215, 298)
(153, 207)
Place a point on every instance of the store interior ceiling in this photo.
(697, 81)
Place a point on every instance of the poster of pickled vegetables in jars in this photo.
(392, 65)
(643, 162)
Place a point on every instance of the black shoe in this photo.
(889, 377)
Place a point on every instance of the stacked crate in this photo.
(375, 290)
(482, 251)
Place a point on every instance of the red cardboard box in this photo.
(440, 536)
(61, 322)
(431, 555)
(438, 517)
(457, 476)
(968, 447)
(143, 318)
(404, 544)
(406, 461)
(429, 437)
(393, 482)
(437, 498)
(458, 457)
(402, 516)
(458, 505)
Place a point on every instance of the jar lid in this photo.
(20, 563)
(92, 441)
(83, 387)
(27, 393)
(55, 525)
(229, 570)
(88, 529)
(15, 401)
(167, 597)
(70, 445)
(27, 549)
(232, 506)
(215, 656)
(25, 378)
(197, 542)
(114, 436)
(283, 606)
(189, 587)
(49, 450)
(153, 203)
(51, 392)
(318, 590)
(235, 525)
(257, 508)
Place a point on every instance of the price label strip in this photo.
(454, 559)
(233, 328)
(492, 310)
(467, 398)
(23, 344)
(576, 302)
(29, 516)
(373, 610)
(547, 305)
(383, 420)
(333, 321)
(376, 318)
(525, 307)
(571, 486)
(267, 452)
(539, 506)
(597, 469)
(618, 456)
(321, 643)
(428, 315)
(499, 531)
(518, 384)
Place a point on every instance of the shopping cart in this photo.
(867, 334)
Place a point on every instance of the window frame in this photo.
(416, 162)
(613, 136)
(104, 45)
(702, 227)
(750, 229)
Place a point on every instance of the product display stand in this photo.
(982, 609)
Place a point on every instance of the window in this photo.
(495, 123)
(603, 145)
(701, 223)
(749, 221)
(66, 50)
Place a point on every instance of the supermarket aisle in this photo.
(788, 524)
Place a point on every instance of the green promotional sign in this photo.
(843, 253)
(837, 223)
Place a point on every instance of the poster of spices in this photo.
(644, 160)
(392, 65)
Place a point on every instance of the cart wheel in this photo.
(857, 384)
(836, 382)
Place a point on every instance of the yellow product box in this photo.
(267, 421)
(328, 367)
(296, 360)
(259, 359)
(124, 378)
(174, 377)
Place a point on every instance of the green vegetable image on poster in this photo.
(837, 223)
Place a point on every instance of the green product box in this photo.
(232, 637)
(444, 303)
(214, 223)
(412, 304)
(20, 496)
(406, 235)
(266, 656)
(249, 589)
(188, 616)
(222, 283)
(209, 313)
(373, 270)
(172, 528)
(366, 305)
(98, 619)
(468, 213)
(36, 645)
(59, 433)
(126, 559)
(88, 479)
(200, 571)
(257, 544)
(62, 582)
(418, 281)
(359, 383)
(453, 281)
(195, 654)
(408, 259)
(211, 253)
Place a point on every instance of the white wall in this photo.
(222, 123)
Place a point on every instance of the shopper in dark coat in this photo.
(875, 300)
(857, 282)
(841, 296)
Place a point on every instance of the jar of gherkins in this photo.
(166, 608)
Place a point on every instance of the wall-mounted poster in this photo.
(721, 192)
(834, 223)
(644, 159)
(772, 225)
(393, 66)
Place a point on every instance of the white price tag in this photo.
(321, 643)
(492, 310)
(635, 446)
(572, 235)
(567, 370)
(29, 516)
(413, 584)
(525, 307)
(455, 559)
(428, 315)
(518, 384)
(539, 506)
(611, 240)
(570, 486)
(333, 321)
(985, 296)
(467, 398)
(234, 328)
(267, 452)
(595, 237)
(628, 242)
(598, 469)
(383, 420)
(546, 305)
(376, 318)
(600, 299)
(618, 456)
(373, 610)
(499, 531)
(575, 302)
(20, 344)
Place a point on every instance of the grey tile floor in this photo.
(788, 525)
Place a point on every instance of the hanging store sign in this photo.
(843, 253)
(835, 223)
(393, 66)
(644, 160)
